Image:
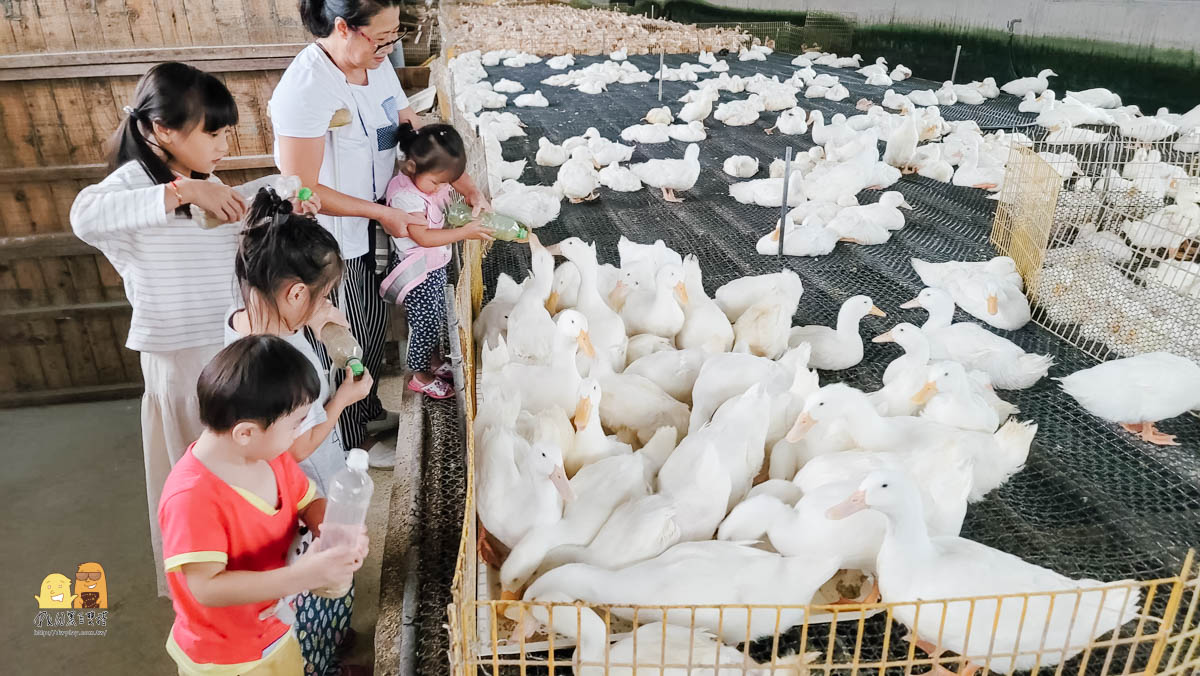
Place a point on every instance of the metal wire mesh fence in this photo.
(1111, 259)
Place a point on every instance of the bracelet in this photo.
(174, 185)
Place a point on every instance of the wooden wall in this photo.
(67, 67)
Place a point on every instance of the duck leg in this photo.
(1148, 432)
(669, 195)
(934, 652)
(487, 552)
(769, 130)
(985, 186)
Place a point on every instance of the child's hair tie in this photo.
(130, 111)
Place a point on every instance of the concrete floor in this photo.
(73, 490)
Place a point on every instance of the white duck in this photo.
(699, 573)
(700, 107)
(902, 144)
(658, 310)
(534, 100)
(808, 238)
(705, 326)
(947, 95)
(879, 80)
(762, 329)
(975, 347)
(949, 398)
(969, 95)
(885, 213)
(1138, 391)
(1001, 269)
(619, 178)
(1023, 85)
(971, 175)
(606, 328)
(894, 101)
(692, 132)
(671, 175)
(992, 301)
(508, 86)
(834, 349)
(675, 371)
(900, 72)
(923, 97)
(1035, 103)
(1052, 618)
(533, 205)
(634, 407)
(492, 321)
(597, 489)
(639, 529)
(988, 87)
(740, 166)
(555, 383)
(992, 458)
(792, 122)
(605, 152)
(880, 66)
(591, 444)
(906, 375)
(659, 116)
(646, 134)
(564, 290)
(509, 467)
(531, 330)
(577, 178)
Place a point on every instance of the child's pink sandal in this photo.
(435, 389)
(445, 371)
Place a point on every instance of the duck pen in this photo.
(1090, 502)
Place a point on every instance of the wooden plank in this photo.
(70, 395)
(231, 21)
(83, 146)
(106, 115)
(14, 207)
(191, 54)
(202, 24)
(63, 348)
(257, 15)
(68, 311)
(47, 123)
(113, 23)
(133, 360)
(143, 20)
(20, 336)
(28, 29)
(173, 23)
(85, 24)
(94, 172)
(56, 24)
(17, 247)
(138, 69)
(111, 282)
(252, 139)
(21, 149)
(105, 343)
(43, 216)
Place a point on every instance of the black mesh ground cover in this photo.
(1091, 501)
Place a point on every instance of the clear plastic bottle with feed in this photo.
(343, 350)
(346, 508)
(503, 227)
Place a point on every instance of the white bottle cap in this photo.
(357, 460)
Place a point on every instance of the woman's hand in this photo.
(476, 230)
(325, 313)
(395, 222)
(221, 201)
(478, 202)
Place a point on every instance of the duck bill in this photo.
(585, 344)
(509, 595)
(562, 484)
(583, 413)
(854, 504)
(914, 303)
(925, 393)
(616, 297)
(905, 205)
(884, 338)
(801, 427)
(993, 304)
(552, 302)
(681, 291)
(876, 311)
(775, 235)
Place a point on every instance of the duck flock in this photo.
(641, 442)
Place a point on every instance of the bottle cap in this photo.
(305, 194)
(355, 366)
(356, 460)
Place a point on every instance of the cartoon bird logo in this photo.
(56, 590)
(91, 586)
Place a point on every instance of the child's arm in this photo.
(351, 390)
(122, 203)
(314, 515)
(430, 237)
(214, 586)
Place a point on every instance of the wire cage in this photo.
(825, 31)
(1106, 235)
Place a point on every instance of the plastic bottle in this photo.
(346, 509)
(343, 350)
(503, 227)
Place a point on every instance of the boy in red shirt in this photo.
(229, 513)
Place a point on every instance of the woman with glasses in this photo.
(348, 159)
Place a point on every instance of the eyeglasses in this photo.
(381, 46)
(83, 577)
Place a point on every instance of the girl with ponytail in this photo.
(170, 228)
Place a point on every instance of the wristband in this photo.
(174, 185)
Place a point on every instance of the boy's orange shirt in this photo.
(204, 519)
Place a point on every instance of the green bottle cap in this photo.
(305, 194)
(355, 367)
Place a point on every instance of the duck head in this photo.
(894, 199)
(573, 325)
(828, 403)
(671, 277)
(589, 399)
(857, 307)
(902, 334)
(887, 491)
(545, 460)
(930, 299)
